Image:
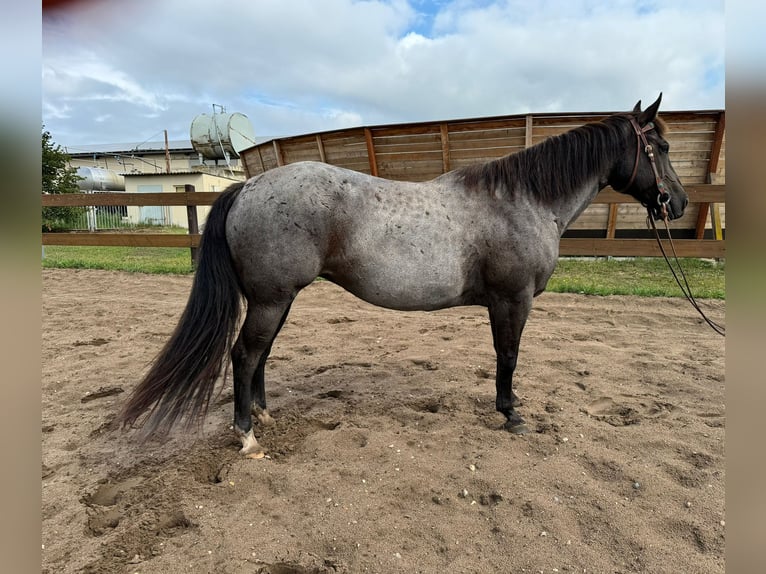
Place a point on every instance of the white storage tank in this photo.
(99, 179)
(220, 135)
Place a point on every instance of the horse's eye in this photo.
(665, 147)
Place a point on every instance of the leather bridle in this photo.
(663, 197)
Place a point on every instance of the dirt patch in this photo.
(386, 454)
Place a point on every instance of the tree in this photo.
(58, 177)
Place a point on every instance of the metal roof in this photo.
(145, 148)
(179, 172)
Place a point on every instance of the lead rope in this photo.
(687, 290)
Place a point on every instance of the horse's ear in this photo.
(637, 107)
(650, 113)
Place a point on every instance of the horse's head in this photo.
(645, 172)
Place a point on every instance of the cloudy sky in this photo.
(121, 72)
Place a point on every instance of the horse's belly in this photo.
(404, 282)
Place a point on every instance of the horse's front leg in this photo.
(508, 317)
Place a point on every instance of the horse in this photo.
(486, 234)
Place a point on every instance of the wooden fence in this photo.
(614, 224)
(582, 246)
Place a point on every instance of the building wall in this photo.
(172, 183)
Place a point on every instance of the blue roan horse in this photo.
(486, 235)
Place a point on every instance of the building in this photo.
(150, 167)
(173, 182)
(152, 157)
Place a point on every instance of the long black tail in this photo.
(182, 378)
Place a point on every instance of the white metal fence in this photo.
(109, 217)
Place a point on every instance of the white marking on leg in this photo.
(250, 447)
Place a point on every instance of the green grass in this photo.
(645, 276)
(648, 277)
(135, 259)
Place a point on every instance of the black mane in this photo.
(555, 166)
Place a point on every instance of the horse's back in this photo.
(395, 244)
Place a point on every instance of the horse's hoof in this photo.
(250, 447)
(518, 428)
(252, 451)
(516, 425)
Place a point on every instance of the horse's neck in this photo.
(568, 208)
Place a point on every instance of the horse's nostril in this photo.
(686, 202)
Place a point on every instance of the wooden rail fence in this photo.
(423, 150)
(708, 195)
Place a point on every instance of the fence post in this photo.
(191, 215)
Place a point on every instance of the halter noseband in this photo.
(663, 197)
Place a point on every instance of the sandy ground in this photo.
(387, 454)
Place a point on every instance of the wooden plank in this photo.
(371, 151)
(320, 147)
(404, 130)
(255, 154)
(699, 228)
(483, 154)
(343, 139)
(469, 135)
(594, 217)
(299, 154)
(417, 170)
(407, 148)
(122, 239)
(715, 154)
(715, 221)
(299, 149)
(674, 137)
(360, 166)
(298, 141)
(429, 138)
(125, 198)
(715, 151)
(611, 223)
(689, 116)
(468, 138)
(528, 131)
(640, 248)
(278, 153)
(489, 124)
(346, 153)
(568, 122)
(341, 146)
(705, 193)
(445, 147)
(406, 157)
(268, 157)
(702, 156)
(192, 225)
(683, 147)
(706, 126)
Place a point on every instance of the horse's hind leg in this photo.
(259, 329)
(258, 389)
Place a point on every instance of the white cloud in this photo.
(296, 66)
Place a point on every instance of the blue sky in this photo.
(123, 72)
